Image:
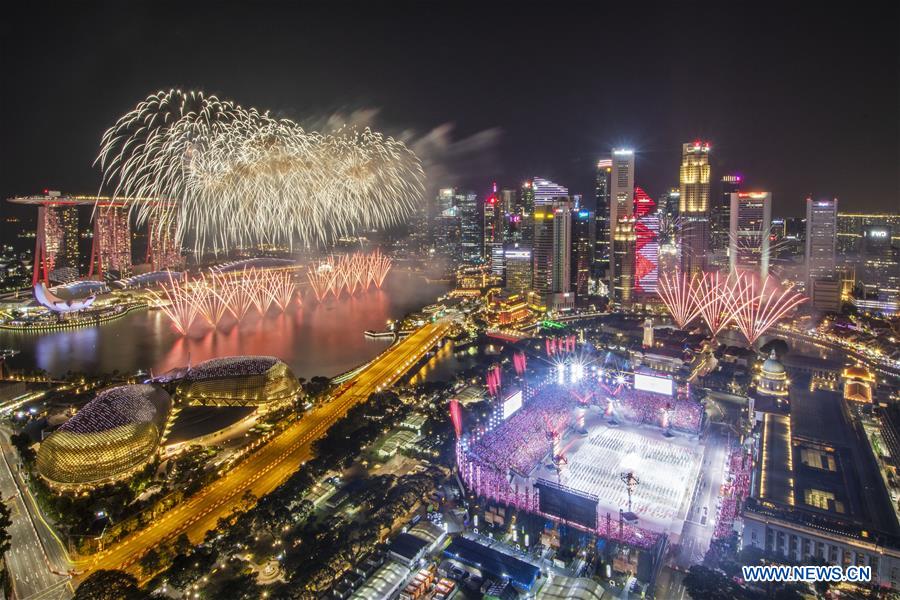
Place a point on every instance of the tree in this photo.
(150, 562)
(109, 585)
(5, 522)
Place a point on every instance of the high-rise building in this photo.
(509, 213)
(547, 192)
(470, 227)
(582, 251)
(621, 223)
(111, 248)
(601, 216)
(851, 229)
(526, 213)
(693, 208)
(821, 229)
(518, 269)
(720, 219)
(60, 225)
(551, 249)
(646, 244)
(493, 230)
(163, 249)
(749, 232)
(445, 231)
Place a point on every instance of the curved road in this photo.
(268, 467)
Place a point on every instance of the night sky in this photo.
(800, 103)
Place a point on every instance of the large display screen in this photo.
(512, 403)
(567, 505)
(650, 383)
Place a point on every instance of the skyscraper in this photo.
(621, 223)
(601, 217)
(163, 250)
(493, 226)
(526, 213)
(445, 226)
(111, 247)
(518, 269)
(470, 227)
(582, 251)
(551, 249)
(547, 192)
(646, 244)
(821, 236)
(750, 224)
(719, 219)
(693, 206)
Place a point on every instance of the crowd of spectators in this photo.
(734, 490)
(522, 440)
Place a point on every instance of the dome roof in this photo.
(772, 366)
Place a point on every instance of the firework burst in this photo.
(238, 176)
(348, 273)
(217, 295)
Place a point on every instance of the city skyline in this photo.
(406, 301)
(471, 138)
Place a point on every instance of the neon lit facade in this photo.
(646, 243)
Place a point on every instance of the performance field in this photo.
(573, 451)
(666, 469)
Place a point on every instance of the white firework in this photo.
(238, 176)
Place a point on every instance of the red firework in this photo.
(348, 273)
(679, 293)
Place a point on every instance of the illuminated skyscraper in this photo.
(601, 217)
(518, 269)
(111, 247)
(470, 226)
(163, 250)
(719, 219)
(621, 223)
(526, 213)
(749, 231)
(646, 244)
(693, 207)
(582, 251)
(547, 192)
(493, 232)
(551, 253)
(58, 223)
(821, 236)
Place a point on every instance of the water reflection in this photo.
(314, 339)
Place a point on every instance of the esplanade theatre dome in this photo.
(262, 381)
(110, 438)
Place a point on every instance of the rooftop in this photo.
(118, 407)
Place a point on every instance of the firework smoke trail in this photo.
(238, 176)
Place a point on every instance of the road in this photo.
(36, 559)
(271, 465)
(698, 529)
